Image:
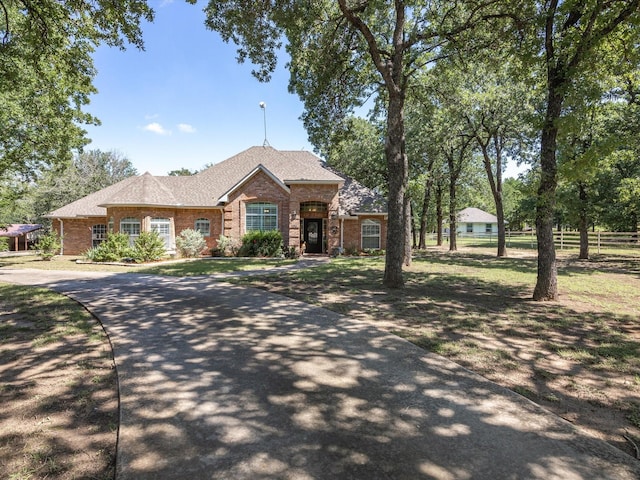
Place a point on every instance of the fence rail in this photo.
(564, 240)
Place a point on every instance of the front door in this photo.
(313, 235)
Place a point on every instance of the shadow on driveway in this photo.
(223, 381)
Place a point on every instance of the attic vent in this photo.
(313, 207)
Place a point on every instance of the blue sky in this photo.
(185, 101)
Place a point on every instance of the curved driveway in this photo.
(226, 382)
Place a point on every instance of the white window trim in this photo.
(262, 216)
(195, 226)
(369, 222)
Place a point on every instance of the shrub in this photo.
(351, 250)
(261, 244)
(48, 245)
(113, 249)
(190, 243)
(4, 244)
(149, 247)
(291, 252)
(228, 246)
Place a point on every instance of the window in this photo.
(261, 216)
(203, 226)
(98, 234)
(130, 226)
(163, 227)
(371, 234)
(488, 228)
(469, 227)
(313, 207)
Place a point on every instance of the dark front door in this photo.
(313, 235)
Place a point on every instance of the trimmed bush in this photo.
(113, 249)
(261, 244)
(149, 247)
(48, 245)
(190, 243)
(227, 246)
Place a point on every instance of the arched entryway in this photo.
(313, 223)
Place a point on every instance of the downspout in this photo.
(342, 234)
(61, 236)
(222, 221)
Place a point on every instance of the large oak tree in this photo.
(46, 74)
(342, 53)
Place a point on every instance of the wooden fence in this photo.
(564, 240)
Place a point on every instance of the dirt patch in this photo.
(578, 357)
(58, 389)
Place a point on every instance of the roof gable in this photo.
(285, 166)
(475, 215)
(260, 168)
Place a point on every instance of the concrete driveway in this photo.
(226, 382)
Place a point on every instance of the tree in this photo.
(358, 151)
(495, 107)
(46, 74)
(182, 172)
(341, 54)
(88, 172)
(569, 32)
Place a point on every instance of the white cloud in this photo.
(151, 116)
(156, 128)
(186, 128)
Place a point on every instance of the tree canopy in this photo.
(46, 74)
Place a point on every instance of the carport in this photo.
(21, 233)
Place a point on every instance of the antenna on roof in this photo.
(263, 106)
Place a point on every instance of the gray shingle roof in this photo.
(207, 188)
(475, 215)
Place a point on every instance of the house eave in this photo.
(313, 182)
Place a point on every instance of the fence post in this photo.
(598, 243)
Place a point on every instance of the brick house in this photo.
(258, 189)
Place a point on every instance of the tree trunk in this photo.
(453, 243)
(547, 282)
(495, 182)
(397, 168)
(583, 223)
(422, 242)
(408, 225)
(439, 216)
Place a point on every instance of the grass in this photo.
(181, 268)
(58, 385)
(476, 309)
(579, 354)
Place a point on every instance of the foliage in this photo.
(261, 244)
(48, 245)
(4, 244)
(358, 152)
(87, 173)
(228, 246)
(342, 54)
(291, 252)
(190, 243)
(46, 74)
(149, 247)
(182, 172)
(115, 248)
